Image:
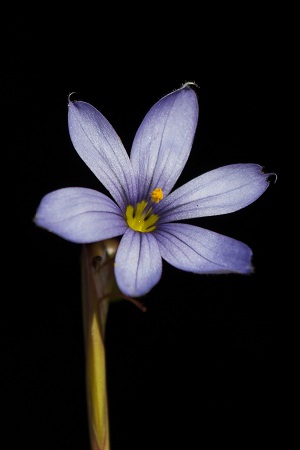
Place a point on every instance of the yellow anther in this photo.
(157, 195)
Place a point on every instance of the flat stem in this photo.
(97, 283)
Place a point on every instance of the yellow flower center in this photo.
(140, 218)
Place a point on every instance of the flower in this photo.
(144, 212)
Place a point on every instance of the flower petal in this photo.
(163, 141)
(197, 250)
(101, 149)
(80, 215)
(220, 191)
(138, 264)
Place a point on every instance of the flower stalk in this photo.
(97, 287)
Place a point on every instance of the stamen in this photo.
(157, 195)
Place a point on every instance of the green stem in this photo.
(97, 285)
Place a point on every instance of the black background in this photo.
(202, 364)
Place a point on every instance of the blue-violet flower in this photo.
(144, 212)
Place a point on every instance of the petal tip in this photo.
(189, 83)
(270, 176)
(70, 102)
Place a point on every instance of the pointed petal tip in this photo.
(69, 98)
(270, 177)
(187, 84)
